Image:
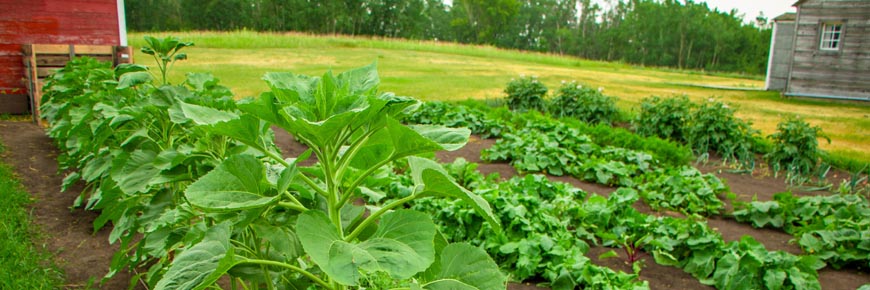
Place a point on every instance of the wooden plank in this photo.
(50, 49)
(34, 87)
(42, 72)
(52, 60)
(93, 49)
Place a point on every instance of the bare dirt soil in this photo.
(85, 255)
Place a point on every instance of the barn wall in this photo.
(51, 22)
(843, 73)
(780, 56)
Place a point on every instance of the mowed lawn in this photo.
(445, 71)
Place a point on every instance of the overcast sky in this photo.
(750, 8)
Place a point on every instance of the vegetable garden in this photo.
(198, 193)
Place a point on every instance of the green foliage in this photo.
(683, 189)
(536, 241)
(714, 128)
(196, 190)
(698, 249)
(796, 148)
(165, 53)
(583, 103)
(23, 264)
(562, 150)
(526, 94)
(664, 118)
(457, 116)
(833, 227)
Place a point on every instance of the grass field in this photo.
(445, 71)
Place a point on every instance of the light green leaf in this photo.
(134, 173)
(464, 266)
(237, 184)
(434, 180)
(283, 243)
(203, 263)
(402, 246)
(412, 229)
(204, 115)
(132, 79)
(359, 80)
(317, 235)
(450, 139)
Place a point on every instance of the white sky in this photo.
(750, 8)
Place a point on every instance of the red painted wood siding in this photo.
(51, 22)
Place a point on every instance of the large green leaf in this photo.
(449, 139)
(412, 229)
(317, 235)
(434, 180)
(464, 266)
(132, 79)
(237, 184)
(203, 263)
(402, 246)
(204, 115)
(283, 244)
(359, 80)
(134, 172)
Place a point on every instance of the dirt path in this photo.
(84, 255)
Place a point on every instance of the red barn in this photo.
(64, 23)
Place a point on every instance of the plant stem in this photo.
(365, 223)
(293, 206)
(361, 178)
(304, 178)
(291, 267)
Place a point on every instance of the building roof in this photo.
(799, 3)
(788, 16)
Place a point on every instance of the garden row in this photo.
(706, 127)
(195, 188)
(535, 143)
(548, 228)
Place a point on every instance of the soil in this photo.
(85, 255)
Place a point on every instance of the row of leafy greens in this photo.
(198, 177)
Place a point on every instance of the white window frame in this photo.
(831, 36)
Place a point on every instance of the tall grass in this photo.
(23, 263)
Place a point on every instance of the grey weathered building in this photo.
(822, 51)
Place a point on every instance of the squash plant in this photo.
(272, 222)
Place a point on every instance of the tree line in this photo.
(671, 33)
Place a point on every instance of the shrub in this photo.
(526, 93)
(584, 103)
(663, 117)
(713, 127)
(795, 147)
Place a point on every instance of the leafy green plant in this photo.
(526, 94)
(165, 52)
(796, 148)
(833, 227)
(455, 116)
(683, 189)
(541, 237)
(714, 128)
(665, 118)
(354, 133)
(196, 189)
(584, 103)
